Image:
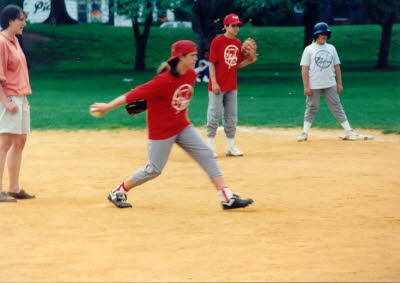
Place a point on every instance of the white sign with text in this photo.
(38, 10)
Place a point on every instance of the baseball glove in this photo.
(249, 49)
(136, 107)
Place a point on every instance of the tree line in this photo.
(207, 17)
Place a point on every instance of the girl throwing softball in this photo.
(168, 96)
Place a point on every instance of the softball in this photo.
(96, 114)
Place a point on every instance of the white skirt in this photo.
(18, 123)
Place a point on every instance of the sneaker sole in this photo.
(234, 155)
(230, 208)
(360, 138)
(119, 205)
(22, 197)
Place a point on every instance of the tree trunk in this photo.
(311, 17)
(204, 22)
(198, 23)
(111, 12)
(59, 14)
(140, 58)
(204, 36)
(141, 41)
(308, 32)
(383, 55)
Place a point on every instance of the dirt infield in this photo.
(325, 210)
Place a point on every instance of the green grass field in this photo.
(74, 66)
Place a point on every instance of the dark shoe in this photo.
(21, 195)
(236, 202)
(119, 200)
(4, 197)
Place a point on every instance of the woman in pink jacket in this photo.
(14, 105)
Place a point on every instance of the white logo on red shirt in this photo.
(181, 98)
(230, 55)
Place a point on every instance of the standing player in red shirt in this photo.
(225, 58)
(168, 96)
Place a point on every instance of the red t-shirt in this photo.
(167, 99)
(226, 54)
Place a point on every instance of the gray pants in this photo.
(225, 102)
(189, 140)
(332, 99)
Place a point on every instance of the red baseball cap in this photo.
(232, 19)
(182, 47)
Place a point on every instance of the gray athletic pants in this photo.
(332, 99)
(189, 140)
(225, 102)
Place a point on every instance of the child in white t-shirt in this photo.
(320, 70)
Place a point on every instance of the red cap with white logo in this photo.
(232, 19)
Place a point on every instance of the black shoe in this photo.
(119, 200)
(236, 202)
(21, 195)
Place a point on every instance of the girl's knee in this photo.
(19, 142)
(213, 119)
(313, 109)
(152, 171)
(207, 154)
(5, 143)
(5, 146)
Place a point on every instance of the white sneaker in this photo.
(303, 137)
(353, 136)
(205, 79)
(233, 151)
(198, 80)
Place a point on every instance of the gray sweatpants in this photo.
(332, 99)
(225, 102)
(158, 152)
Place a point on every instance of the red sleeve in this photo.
(145, 91)
(3, 61)
(213, 51)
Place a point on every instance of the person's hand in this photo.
(339, 88)
(216, 89)
(12, 107)
(307, 91)
(99, 109)
(252, 59)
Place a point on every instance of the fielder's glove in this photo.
(249, 49)
(136, 107)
